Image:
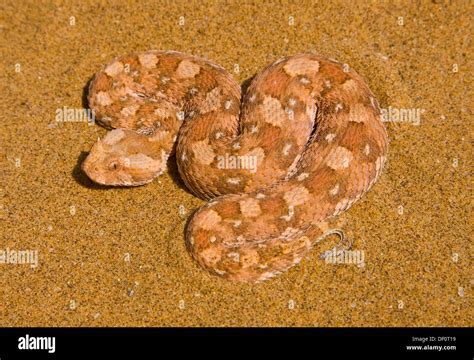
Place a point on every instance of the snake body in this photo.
(310, 126)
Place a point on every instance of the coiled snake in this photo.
(305, 143)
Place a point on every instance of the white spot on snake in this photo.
(165, 79)
(227, 104)
(212, 101)
(330, 137)
(286, 149)
(203, 152)
(334, 190)
(328, 84)
(114, 69)
(114, 136)
(250, 207)
(235, 256)
(311, 110)
(272, 111)
(350, 86)
(236, 146)
(358, 113)
(291, 113)
(212, 239)
(233, 181)
(367, 149)
(211, 256)
(253, 97)
(161, 113)
(253, 129)
(302, 176)
(292, 102)
(208, 219)
(193, 91)
(103, 99)
(187, 69)
(260, 196)
(305, 81)
(301, 66)
(130, 110)
(340, 158)
(218, 135)
(338, 107)
(291, 212)
(148, 61)
(345, 162)
(298, 195)
(236, 223)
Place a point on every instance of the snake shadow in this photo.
(245, 84)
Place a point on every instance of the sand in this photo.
(117, 257)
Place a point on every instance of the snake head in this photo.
(123, 158)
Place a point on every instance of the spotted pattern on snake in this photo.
(312, 126)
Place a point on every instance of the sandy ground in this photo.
(116, 257)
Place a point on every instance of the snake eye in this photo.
(113, 165)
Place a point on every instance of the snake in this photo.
(275, 162)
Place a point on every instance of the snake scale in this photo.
(310, 126)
